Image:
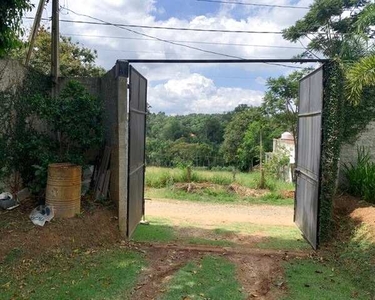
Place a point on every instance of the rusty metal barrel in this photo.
(63, 190)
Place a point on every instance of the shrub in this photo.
(39, 130)
(277, 164)
(361, 176)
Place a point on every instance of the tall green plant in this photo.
(76, 119)
(361, 176)
(38, 130)
(21, 145)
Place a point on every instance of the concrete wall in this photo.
(112, 88)
(12, 74)
(349, 151)
(92, 84)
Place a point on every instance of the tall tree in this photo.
(235, 132)
(75, 60)
(331, 27)
(281, 100)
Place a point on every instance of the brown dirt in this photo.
(92, 229)
(287, 194)
(358, 211)
(259, 276)
(245, 191)
(161, 268)
(233, 237)
(258, 271)
(209, 215)
(240, 190)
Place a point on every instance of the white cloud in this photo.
(143, 12)
(198, 94)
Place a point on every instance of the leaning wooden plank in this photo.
(98, 191)
(106, 184)
(103, 166)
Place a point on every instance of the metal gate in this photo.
(306, 208)
(136, 148)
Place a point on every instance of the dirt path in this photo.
(260, 272)
(208, 214)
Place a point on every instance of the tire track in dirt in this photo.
(259, 271)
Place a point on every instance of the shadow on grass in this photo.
(348, 268)
(233, 235)
(109, 274)
(309, 279)
(354, 246)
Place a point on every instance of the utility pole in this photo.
(34, 30)
(55, 62)
(262, 183)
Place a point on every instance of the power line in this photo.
(173, 43)
(154, 37)
(255, 4)
(104, 23)
(189, 42)
(164, 40)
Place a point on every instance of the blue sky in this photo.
(182, 89)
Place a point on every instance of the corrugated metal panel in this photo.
(308, 155)
(137, 139)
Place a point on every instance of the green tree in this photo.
(249, 152)
(281, 100)
(75, 60)
(11, 13)
(235, 132)
(361, 74)
(332, 31)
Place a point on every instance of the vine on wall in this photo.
(332, 137)
(39, 130)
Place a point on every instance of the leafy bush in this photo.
(361, 176)
(39, 130)
(276, 165)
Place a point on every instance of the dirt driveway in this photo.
(208, 214)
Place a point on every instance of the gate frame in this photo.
(320, 163)
(122, 67)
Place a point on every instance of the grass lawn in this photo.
(216, 196)
(107, 274)
(276, 237)
(158, 177)
(160, 184)
(211, 278)
(310, 280)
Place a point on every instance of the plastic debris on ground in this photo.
(7, 201)
(41, 214)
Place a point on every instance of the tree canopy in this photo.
(333, 29)
(75, 59)
(11, 13)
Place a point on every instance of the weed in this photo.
(361, 176)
